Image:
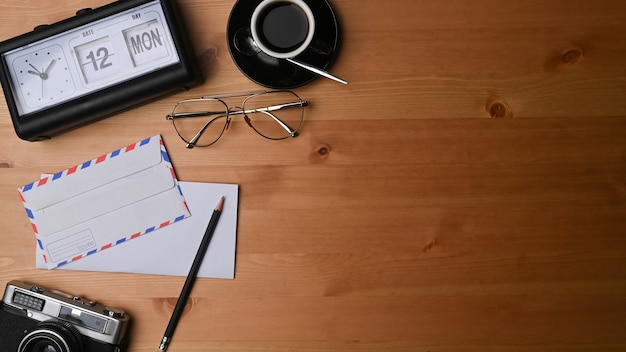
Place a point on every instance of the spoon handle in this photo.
(317, 70)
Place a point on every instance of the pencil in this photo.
(191, 277)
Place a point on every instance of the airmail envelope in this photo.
(104, 202)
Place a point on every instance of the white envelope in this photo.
(171, 250)
(104, 202)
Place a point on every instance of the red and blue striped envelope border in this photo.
(77, 169)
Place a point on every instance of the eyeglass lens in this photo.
(283, 122)
(200, 122)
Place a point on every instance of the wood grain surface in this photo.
(465, 192)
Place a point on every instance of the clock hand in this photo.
(50, 66)
(47, 71)
(36, 72)
(34, 68)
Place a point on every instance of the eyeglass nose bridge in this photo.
(231, 111)
(238, 110)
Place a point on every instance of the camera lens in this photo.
(52, 336)
(43, 346)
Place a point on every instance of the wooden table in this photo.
(466, 191)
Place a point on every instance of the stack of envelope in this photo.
(126, 211)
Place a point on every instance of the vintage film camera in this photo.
(36, 319)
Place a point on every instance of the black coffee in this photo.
(283, 27)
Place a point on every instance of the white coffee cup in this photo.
(282, 28)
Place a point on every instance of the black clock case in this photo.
(44, 124)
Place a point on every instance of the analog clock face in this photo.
(43, 76)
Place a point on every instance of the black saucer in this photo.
(279, 73)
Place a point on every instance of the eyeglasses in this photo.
(274, 115)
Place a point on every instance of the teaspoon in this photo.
(245, 44)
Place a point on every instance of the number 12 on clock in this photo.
(97, 59)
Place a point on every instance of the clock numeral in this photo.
(102, 55)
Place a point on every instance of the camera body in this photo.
(33, 318)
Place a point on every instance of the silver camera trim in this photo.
(116, 320)
(65, 347)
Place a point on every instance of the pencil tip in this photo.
(220, 204)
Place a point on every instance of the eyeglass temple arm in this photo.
(236, 112)
(270, 108)
(195, 138)
(289, 130)
(194, 114)
(267, 110)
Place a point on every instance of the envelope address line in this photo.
(72, 245)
